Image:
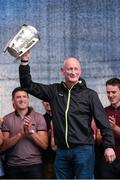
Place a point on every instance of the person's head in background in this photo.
(113, 91)
(47, 106)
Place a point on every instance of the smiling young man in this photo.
(73, 108)
(25, 135)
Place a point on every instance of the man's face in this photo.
(20, 100)
(113, 93)
(71, 71)
(46, 106)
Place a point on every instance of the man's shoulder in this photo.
(11, 114)
(90, 91)
(37, 114)
(108, 107)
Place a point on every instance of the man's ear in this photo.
(13, 104)
(61, 70)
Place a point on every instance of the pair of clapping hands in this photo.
(26, 126)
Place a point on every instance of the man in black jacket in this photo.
(73, 108)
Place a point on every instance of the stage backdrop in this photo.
(86, 29)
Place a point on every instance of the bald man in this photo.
(73, 108)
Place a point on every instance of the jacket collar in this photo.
(81, 83)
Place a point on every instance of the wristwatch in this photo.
(31, 131)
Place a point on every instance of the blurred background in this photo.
(86, 29)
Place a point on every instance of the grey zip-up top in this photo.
(72, 109)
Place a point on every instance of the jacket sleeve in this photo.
(38, 90)
(101, 120)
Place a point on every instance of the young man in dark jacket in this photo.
(73, 108)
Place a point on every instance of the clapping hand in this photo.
(27, 125)
(112, 121)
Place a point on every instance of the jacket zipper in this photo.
(66, 118)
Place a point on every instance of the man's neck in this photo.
(70, 85)
(116, 105)
(22, 112)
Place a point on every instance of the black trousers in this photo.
(23, 172)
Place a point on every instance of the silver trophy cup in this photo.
(24, 40)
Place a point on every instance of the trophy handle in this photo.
(6, 46)
(28, 47)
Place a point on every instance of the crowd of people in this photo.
(62, 143)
